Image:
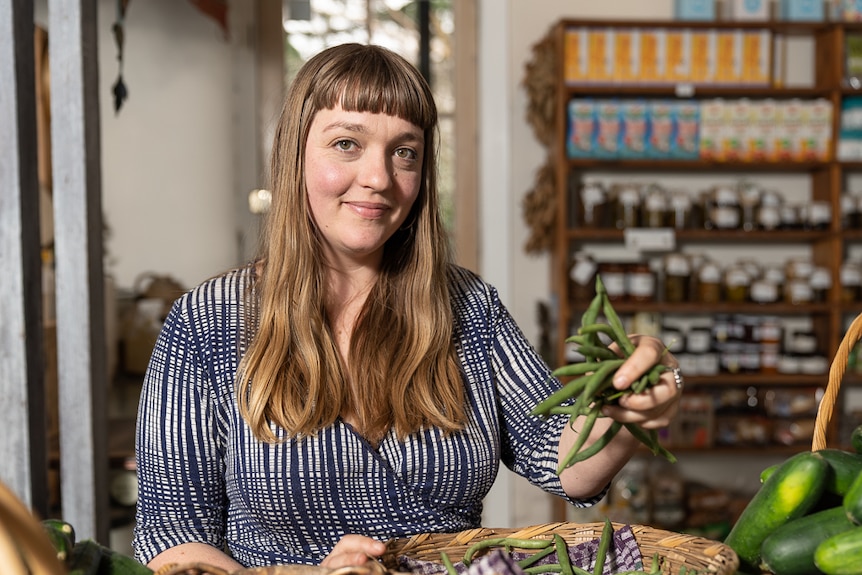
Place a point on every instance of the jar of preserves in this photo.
(698, 340)
(849, 211)
(769, 211)
(680, 210)
(821, 283)
(764, 291)
(818, 215)
(799, 268)
(723, 212)
(798, 291)
(655, 209)
(737, 284)
(749, 203)
(613, 276)
(677, 272)
(592, 201)
(628, 206)
(790, 218)
(641, 282)
(709, 283)
(851, 281)
(582, 276)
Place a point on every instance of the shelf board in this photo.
(696, 308)
(683, 90)
(661, 165)
(777, 26)
(763, 379)
(716, 236)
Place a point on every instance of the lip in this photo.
(371, 210)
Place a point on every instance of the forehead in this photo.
(370, 123)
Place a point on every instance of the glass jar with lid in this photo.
(627, 201)
(821, 283)
(798, 291)
(709, 282)
(723, 212)
(737, 283)
(749, 203)
(851, 281)
(680, 210)
(764, 291)
(677, 272)
(790, 216)
(818, 215)
(849, 211)
(592, 202)
(613, 276)
(769, 211)
(655, 209)
(582, 276)
(640, 282)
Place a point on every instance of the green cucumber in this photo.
(764, 475)
(853, 501)
(790, 492)
(115, 563)
(85, 558)
(789, 550)
(841, 554)
(62, 536)
(856, 439)
(846, 467)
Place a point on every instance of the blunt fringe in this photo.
(402, 372)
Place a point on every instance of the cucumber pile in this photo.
(806, 518)
(87, 557)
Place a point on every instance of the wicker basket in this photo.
(833, 386)
(675, 549)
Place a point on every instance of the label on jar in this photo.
(725, 218)
(799, 291)
(615, 283)
(699, 340)
(763, 291)
(642, 284)
(583, 272)
(819, 214)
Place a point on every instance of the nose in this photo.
(375, 171)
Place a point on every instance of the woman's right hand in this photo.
(353, 550)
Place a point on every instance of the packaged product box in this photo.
(759, 132)
(581, 128)
(651, 42)
(801, 10)
(574, 55)
(697, 10)
(853, 59)
(686, 130)
(711, 125)
(677, 51)
(702, 47)
(754, 57)
(734, 125)
(633, 128)
(851, 10)
(606, 140)
(624, 55)
(728, 51)
(816, 131)
(599, 55)
(749, 10)
(661, 132)
(850, 135)
(786, 134)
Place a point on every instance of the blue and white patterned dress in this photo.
(203, 477)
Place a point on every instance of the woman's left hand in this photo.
(656, 407)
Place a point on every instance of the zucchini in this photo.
(85, 558)
(846, 467)
(114, 563)
(841, 554)
(790, 492)
(789, 550)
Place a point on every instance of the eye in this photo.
(406, 154)
(345, 145)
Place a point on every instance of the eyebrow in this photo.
(361, 129)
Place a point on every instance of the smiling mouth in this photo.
(368, 209)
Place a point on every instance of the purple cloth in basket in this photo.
(623, 555)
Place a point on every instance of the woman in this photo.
(352, 385)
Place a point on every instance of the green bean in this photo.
(620, 335)
(504, 541)
(548, 568)
(588, 452)
(527, 561)
(450, 568)
(567, 391)
(596, 351)
(604, 545)
(581, 368)
(594, 329)
(570, 410)
(563, 555)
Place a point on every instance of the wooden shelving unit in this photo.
(827, 181)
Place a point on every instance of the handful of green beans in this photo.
(592, 383)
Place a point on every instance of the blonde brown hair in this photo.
(401, 360)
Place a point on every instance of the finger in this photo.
(648, 352)
(345, 560)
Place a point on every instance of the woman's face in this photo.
(363, 172)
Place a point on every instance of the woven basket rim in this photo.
(675, 549)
